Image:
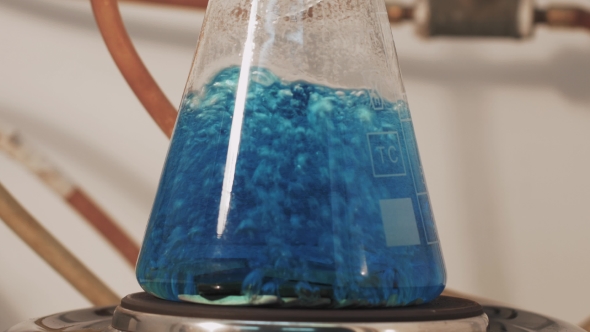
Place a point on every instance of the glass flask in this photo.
(293, 177)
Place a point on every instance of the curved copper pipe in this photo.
(399, 13)
(201, 4)
(564, 16)
(110, 23)
(568, 17)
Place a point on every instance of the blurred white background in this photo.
(503, 127)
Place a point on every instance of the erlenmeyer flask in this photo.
(293, 176)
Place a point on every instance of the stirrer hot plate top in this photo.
(144, 313)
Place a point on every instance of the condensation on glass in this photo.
(293, 177)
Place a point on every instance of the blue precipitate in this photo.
(328, 200)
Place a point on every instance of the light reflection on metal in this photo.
(210, 326)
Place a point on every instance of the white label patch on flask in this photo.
(399, 222)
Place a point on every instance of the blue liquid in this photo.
(328, 204)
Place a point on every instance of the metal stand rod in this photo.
(53, 252)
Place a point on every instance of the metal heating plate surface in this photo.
(127, 317)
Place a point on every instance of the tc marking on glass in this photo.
(386, 157)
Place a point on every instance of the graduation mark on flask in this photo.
(371, 78)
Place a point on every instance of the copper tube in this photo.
(199, 4)
(110, 24)
(568, 17)
(399, 13)
(563, 16)
(55, 254)
(13, 144)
